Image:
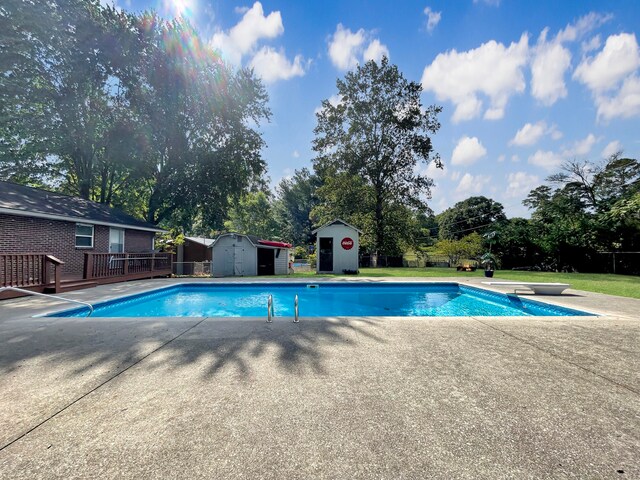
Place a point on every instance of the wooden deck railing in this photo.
(107, 267)
(35, 271)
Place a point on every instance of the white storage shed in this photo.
(337, 246)
(235, 254)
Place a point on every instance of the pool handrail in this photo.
(295, 309)
(269, 308)
(46, 295)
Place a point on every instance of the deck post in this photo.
(153, 261)
(88, 266)
(125, 269)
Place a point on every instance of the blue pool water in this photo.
(322, 300)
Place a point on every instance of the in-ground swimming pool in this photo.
(321, 300)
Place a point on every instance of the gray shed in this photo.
(236, 254)
(337, 247)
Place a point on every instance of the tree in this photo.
(475, 214)
(378, 132)
(253, 214)
(469, 247)
(296, 199)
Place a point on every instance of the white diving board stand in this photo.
(538, 288)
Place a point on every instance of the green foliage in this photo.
(585, 212)
(475, 214)
(368, 146)
(300, 252)
(127, 110)
(253, 214)
(489, 261)
(296, 199)
(469, 246)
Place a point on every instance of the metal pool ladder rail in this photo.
(295, 310)
(269, 308)
(29, 292)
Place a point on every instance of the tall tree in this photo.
(379, 132)
(253, 214)
(296, 199)
(475, 214)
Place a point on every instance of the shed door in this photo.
(238, 264)
(326, 254)
(227, 253)
(266, 261)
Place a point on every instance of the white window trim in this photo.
(84, 236)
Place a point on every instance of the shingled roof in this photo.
(33, 202)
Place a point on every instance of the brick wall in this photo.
(38, 235)
(137, 241)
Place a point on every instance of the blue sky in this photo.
(524, 85)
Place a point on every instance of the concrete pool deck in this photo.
(371, 397)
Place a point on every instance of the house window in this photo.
(116, 240)
(84, 235)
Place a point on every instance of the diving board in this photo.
(538, 288)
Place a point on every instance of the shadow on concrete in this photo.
(79, 346)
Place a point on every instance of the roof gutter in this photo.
(64, 218)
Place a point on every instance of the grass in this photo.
(621, 285)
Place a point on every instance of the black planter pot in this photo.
(488, 273)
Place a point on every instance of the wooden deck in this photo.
(40, 272)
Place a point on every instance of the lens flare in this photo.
(179, 8)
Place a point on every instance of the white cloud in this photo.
(244, 36)
(584, 25)
(515, 158)
(593, 44)
(433, 18)
(611, 148)
(501, 158)
(519, 183)
(467, 151)
(455, 175)
(625, 103)
(529, 134)
(375, 51)
(550, 62)
(554, 132)
(346, 48)
(619, 58)
(581, 147)
(545, 159)
(491, 69)
(272, 65)
(473, 184)
(295, 154)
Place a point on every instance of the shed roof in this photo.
(34, 202)
(254, 240)
(334, 222)
(207, 242)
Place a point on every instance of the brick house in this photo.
(39, 221)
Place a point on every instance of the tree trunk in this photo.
(379, 224)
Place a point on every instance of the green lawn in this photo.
(622, 285)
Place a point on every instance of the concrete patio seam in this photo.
(599, 375)
(86, 394)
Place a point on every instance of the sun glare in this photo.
(179, 8)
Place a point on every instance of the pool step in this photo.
(70, 285)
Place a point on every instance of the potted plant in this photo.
(489, 262)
